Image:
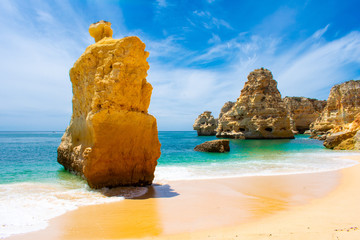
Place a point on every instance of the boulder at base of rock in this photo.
(219, 146)
(111, 140)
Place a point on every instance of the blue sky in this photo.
(201, 52)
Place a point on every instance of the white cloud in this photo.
(162, 3)
(208, 21)
(214, 39)
(319, 33)
(310, 68)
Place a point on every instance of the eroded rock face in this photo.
(205, 124)
(111, 140)
(303, 111)
(227, 107)
(219, 146)
(258, 113)
(342, 106)
(345, 137)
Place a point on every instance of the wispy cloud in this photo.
(42, 45)
(308, 68)
(162, 3)
(208, 21)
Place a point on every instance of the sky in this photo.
(201, 52)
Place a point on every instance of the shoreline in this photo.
(222, 208)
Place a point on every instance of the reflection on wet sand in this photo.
(187, 206)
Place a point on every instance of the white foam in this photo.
(26, 207)
(291, 164)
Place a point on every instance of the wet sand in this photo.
(300, 206)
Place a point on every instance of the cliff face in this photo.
(111, 139)
(339, 123)
(346, 137)
(227, 106)
(342, 106)
(303, 111)
(259, 112)
(205, 124)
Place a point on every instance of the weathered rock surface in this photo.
(303, 111)
(205, 124)
(111, 140)
(342, 106)
(220, 146)
(258, 113)
(227, 107)
(346, 137)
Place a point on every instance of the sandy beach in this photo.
(299, 206)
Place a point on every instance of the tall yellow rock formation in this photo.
(258, 113)
(111, 140)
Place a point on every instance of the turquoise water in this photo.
(31, 156)
(34, 186)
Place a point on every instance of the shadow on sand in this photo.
(140, 193)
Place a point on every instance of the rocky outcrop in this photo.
(342, 106)
(219, 146)
(346, 137)
(259, 112)
(303, 111)
(205, 124)
(111, 139)
(227, 107)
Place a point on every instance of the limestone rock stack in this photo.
(339, 123)
(111, 140)
(258, 113)
(205, 124)
(342, 106)
(303, 111)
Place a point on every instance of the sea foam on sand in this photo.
(26, 207)
(296, 163)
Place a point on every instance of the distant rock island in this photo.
(205, 124)
(111, 140)
(259, 112)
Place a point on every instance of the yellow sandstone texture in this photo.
(342, 106)
(111, 140)
(339, 123)
(303, 111)
(205, 124)
(259, 112)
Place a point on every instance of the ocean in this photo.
(34, 186)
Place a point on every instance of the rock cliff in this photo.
(258, 113)
(346, 137)
(227, 106)
(303, 111)
(111, 139)
(342, 106)
(205, 124)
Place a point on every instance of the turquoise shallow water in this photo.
(31, 157)
(34, 186)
